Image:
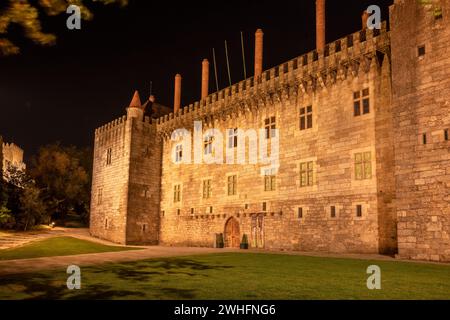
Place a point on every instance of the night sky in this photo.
(62, 93)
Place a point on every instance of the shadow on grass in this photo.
(52, 285)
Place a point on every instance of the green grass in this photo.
(60, 246)
(237, 276)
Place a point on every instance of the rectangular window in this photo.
(208, 145)
(306, 174)
(363, 166)
(306, 118)
(109, 156)
(446, 134)
(106, 224)
(207, 189)
(333, 211)
(269, 180)
(178, 212)
(192, 211)
(270, 126)
(177, 193)
(179, 153)
(211, 210)
(424, 138)
(144, 227)
(359, 211)
(100, 196)
(163, 213)
(232, 185)
(232, 138)
(264, 206)
(300, 213)
(361, 102)
(421, 51)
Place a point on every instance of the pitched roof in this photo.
(136, 101)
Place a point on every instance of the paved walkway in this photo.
(9, 267)
(38, 264)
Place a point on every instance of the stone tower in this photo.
(420, 39)
(126, 180)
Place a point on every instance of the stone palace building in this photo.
(362, 125)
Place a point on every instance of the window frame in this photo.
(269, 180)
(306, 118)
(207, 189)
(363, 165)
(361, 102)
(270, 125)
(232, 138)
(308, 172)
(179, 153)
(232, 185)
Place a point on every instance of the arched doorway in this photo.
(232, 234)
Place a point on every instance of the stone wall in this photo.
(144, 184)
(110, 181)
(331, 144)
(421, 109)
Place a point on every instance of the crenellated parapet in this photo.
(341, 59)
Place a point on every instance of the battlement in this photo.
(111, 125)
(299, 70)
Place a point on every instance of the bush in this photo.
(244, 243)
(219, 240)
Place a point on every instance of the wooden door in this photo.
(232, 234)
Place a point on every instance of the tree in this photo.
(63, 175)
(32, 210)
(26, 15)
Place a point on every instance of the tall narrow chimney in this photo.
(320, 25)
(205, 78)
(259, 35)
(364, 18)
(177, 96)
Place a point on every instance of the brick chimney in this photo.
(320, 25)
(259, 35)
(177, 95)
(364, 18)
(205, 78)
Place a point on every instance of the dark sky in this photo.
(63, 92)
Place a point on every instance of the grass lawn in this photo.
(237, 276)
(60, 246)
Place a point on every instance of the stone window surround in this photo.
(339, 208)
(180, 185)
(360, 99)
(99, 196)
(314, 187)
(202, 199)
(306, 113)
(273, 180)
(365, 210)
(236, 195)
(178, 153)
(365, 182)
(305, 212)
(270, 123)
(108, 156)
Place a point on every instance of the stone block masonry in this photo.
(363, 153)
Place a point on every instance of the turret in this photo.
(135, 109)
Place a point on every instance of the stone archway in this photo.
(232, 234)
